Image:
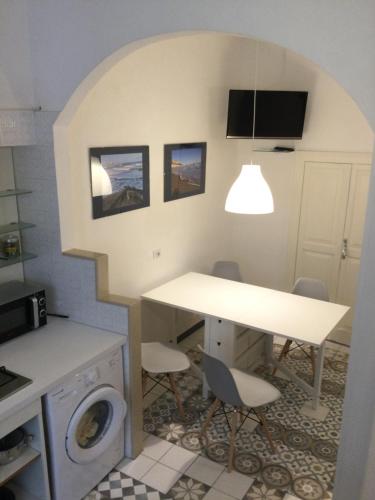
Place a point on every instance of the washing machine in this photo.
(85, 427)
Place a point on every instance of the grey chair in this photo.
(314, 289)
(242, 391)
(227, 269)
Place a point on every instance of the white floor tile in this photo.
(161, 477)
(205, 470)
(233, 484)
(217, 495)
(137, 468)
(290, 497)
(154, 447)
(178, 458)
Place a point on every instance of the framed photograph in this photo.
(119, 179)
(184, 170)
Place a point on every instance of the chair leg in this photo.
(242, 415)
(177, 395)
(266, 429)
(312, 355)
(210, 414)
(232, 440)
(144, 381)
(283, 353)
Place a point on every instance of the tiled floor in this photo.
(174, 464)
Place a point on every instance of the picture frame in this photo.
(184, 170)
(119, 178)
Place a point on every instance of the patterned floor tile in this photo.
(306, 446)
(259, 491)
(187, 488)
(119, 486)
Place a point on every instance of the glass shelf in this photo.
(15, 226)
(10, 470)
(4, 262)
(13, 192)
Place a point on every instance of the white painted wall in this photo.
(16, 77)
(70, 38)
(169, 92)
(176, 90)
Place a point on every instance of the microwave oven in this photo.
(22, 308)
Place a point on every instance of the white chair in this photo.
(240, 390)
(314, 289)
(227, 269)
(163, 359)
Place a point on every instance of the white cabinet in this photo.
(236, 346)
(27, 476)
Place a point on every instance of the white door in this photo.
(95, 424)
(322, 221)
(352, 247)
(333, 209)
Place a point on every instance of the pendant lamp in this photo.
(250, 193)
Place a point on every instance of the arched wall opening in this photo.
(175, 90)
(358, 445)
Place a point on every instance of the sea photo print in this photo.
(119, 179)
(184, 170)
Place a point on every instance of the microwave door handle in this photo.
(35, 312)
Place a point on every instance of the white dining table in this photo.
(301, 319)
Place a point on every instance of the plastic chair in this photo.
(163, 359)
(227, 269)
(314, 289)
(240, 390)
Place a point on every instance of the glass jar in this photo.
(11, 246)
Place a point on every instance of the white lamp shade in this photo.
(101, 183)
(250, 193)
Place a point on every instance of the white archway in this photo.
(363, 313)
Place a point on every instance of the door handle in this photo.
(344, 249)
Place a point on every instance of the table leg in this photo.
(269, 349)
(206, 346)
(318, 376)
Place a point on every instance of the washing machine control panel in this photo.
(86, 379)
(91, 376)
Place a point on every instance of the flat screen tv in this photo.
(279, 114)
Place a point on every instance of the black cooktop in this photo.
(11, 382)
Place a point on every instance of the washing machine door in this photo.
(95, 424)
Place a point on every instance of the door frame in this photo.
(301, 157)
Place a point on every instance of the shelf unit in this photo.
(13, 192)
(9, 261)
(10, 470)
(22, 494)
(15, 227)
(27, 476)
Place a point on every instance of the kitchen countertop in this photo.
(49, 354)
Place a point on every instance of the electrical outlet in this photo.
(156, 253)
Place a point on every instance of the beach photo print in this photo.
(119, 179)
(184, 170)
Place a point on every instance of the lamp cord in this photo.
(255, 87)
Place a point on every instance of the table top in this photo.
(270, 311)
